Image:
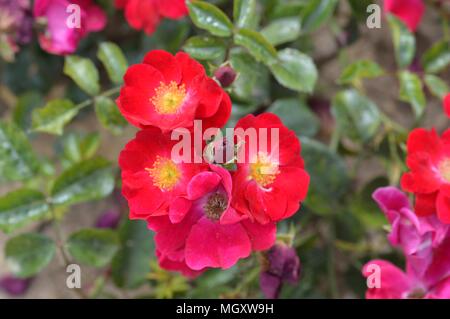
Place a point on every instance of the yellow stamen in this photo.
(168, 97)
(444, 169)
(263, 171)
(165, 173)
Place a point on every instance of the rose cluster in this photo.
(204, 213)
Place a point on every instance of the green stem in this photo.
(331, 262)
(90, 101)
(335, 137)
(60, 245)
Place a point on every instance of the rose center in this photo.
(264, 171)
(444, 169)
(165, 173)
(215, 206)
(416, 294)
(168, 97)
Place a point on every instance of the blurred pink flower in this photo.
(58, 36)
(425, 242)
(430, 282)
(409, 231)
(16, 26)
(409, 11)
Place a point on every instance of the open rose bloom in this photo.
(424, 241)
(170, 92)
(147, 14)
(204, 214)
(428, 160)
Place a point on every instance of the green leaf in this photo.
(358, 70)
(26, 103)
(296, 115)
(411, 91)
(205, 48)
(257, 45)
(114, 61)
(328, 173)
(404, 41)
(93, 247)
(109, 115)
(436, 86)
(365, 208)
(244, 14)
(83, 72)
(209, 17)
(28, 254)
(316, 13)
(282, 9)
(282, 31)
(21, 207)
(17, 160)
(131, 264)
(88, 180)
(77, 147)
(437, 58)
(54, 116)
(252, 83)
(295, 70)
(356, 115)
(359, 8)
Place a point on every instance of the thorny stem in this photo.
(60, 245)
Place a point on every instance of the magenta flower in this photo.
(203, 230)
(409, 231)
(408, 11)
(281, 265)
(60, 36)
(430, 282)
(425, 242)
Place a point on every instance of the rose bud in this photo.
(225, 75)
(14, 286)
(109, 219)
(280, 264)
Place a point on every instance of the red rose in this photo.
(170, 92)
(146, 14)
(151, 181)
(267, 188)
(446, 103)
(408, 11)
(428, 160)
